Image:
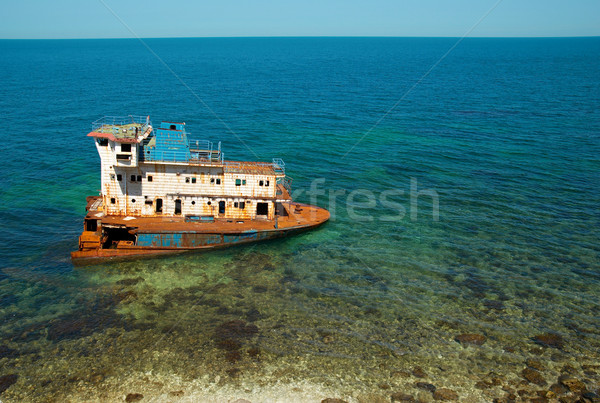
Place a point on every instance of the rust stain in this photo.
(157, 207)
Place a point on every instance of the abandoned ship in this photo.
(165, 193)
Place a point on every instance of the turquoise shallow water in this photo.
(502, 136)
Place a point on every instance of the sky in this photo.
(58, 19)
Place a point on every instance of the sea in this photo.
(461, 260)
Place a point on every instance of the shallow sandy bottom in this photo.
(304, 326)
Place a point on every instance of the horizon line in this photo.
(309, 36)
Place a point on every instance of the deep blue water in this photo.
(503, 133)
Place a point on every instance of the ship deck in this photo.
(123, 133)
(296, 215)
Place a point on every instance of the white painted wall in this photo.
(172, 181)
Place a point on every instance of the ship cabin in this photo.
(150, 172)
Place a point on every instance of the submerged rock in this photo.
(572, 383)
(229, 344)
(95, 315)
(426, 386)
(535, 364)
(419, 373)
(96, 378)
(229, 336)
(235, 329)
(233, 356)
(133, 397)
(482, 385)
(125, 296)
(254, 352)
(400, 374)
(590, 397)
(533, 376)
(328, 339)
(401, 397)
(549, 340)
(130, 281)
(68, 327)
(8, 352)
(253, 315)
(333, 400)
(568, 369)
(445, 394)
(8, 300)
(494, 304)
(558, 389)
(470, 338)
(6, 381)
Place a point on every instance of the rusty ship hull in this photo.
(123, 238)
(164, 192)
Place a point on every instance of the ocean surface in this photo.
(465, 200)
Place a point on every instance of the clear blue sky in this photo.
(189, 18)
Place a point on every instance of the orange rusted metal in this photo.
(183, 202)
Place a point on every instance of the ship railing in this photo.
(279, 166)
(167, 156)
(194, 151)
(116, 121)
(204, 150)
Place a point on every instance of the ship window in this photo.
(113, 200)
(148, 202)
(212, 181)
(235, 204)
(119, 177)
(242, 205)
(221, 207)
(91, 225)
(103, 142)
(238, 182)
(126, 148)
(112, 177)
(173, 127)
(149, 178)
(133, 200)
(133, 178)
(209, 203)
(139, 178)
(178, 207)
(193, 180)
(159, 205)
(218, 181)
(260, 183)
(193, 202)
(262, 209)
(243, 181)
(266, 183)
(187, 180)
